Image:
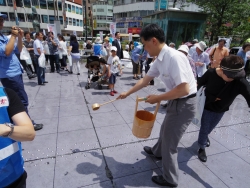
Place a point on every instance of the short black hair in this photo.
(245, 45)
(38, 33)
(51, 32)
(232, 62)
(102, 60)
(61, 37)
(116, 33)
(153, 30)
(26, 32)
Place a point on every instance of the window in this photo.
(70, 21)
(73, 9)
(81, 23)
(45, 19)
(77, 23)
(59, 5)
(51, 19)
(69, 8)
(77, 10)
(50, 4)
(26, 3)
(21, 17)
(100, 10)
(12, 17)
(10, 3)
(74, 22)
(61, 20)
(43, 4)
(80, 11)
(29, 17)
(110, 10)
(34, 3)
(2, 3)
(94, 10)
(6, 19)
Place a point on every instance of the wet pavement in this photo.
(79, 147)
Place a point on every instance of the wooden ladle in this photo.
(96, 106)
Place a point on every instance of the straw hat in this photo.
(106, 39)
(184, 48)
(201, 45)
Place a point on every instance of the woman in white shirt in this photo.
(62, 48)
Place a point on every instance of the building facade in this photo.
(47, 14)
(102, 16)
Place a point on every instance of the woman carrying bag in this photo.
(73, 53)
(62, 52)
(223, 85)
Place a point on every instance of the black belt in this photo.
(188, 97)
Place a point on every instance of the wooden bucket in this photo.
(143, 121)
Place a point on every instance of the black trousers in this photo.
(20, 182)
(54, 59)
(147, 67)
(246, 67)
(135, 67)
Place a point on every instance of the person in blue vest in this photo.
(10, 68)
(15, 127)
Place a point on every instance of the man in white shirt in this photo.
(200, 58)
(174, 69)
(38, 50)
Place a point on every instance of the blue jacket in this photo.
(135, 56)
(11, 161)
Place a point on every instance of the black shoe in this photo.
(141, 76)
(99, 86)
(148, 150)
(52, 71)
(87, 86)
(78, 74)
(161, 181)
(32, 76)
(45, 82)
(38, 126)
(164, 105)
(42, 84)
(70, 72)
(202, 155)
(208, 142)
(58, 71)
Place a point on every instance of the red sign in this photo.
(134, 30)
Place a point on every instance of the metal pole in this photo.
(15, 12)
(85, 10)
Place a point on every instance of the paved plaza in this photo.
(79, 147)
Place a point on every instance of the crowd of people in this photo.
(182, 71)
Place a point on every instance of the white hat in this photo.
(184, 48)
(113, 48)
(201, 45)
(98, 40)
(195, 40)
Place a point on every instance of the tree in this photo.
(226, 17)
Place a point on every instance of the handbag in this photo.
(24, 55)
(41, 60)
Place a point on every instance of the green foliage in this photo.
(226, 17)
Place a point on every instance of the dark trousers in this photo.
(63, 61)
(20, 182)
(141, 66)
(54, 59)
(16, 83)
(27, 69)
(246, 67)
(147, 67)
(40, 71)
(135, 67)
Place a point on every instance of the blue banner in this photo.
(156, 4)
(163, 5)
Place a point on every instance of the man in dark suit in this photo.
(118, 45)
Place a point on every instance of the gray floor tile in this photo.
(127, 160)
(80, 169)
(45, 112)
(243, 113)
(142, 179)
(229, 119)
(105, 184)
(189, 140)
(243, 129)
(74, 123)
(42, 146)
(80, 140)
(229, 138)
(107, 119)
(73, 110)
(125, 104)
(40, 173)
(49, 126)
(232, 170)
(70, 101)
(243, 153)
(115, 134)
(48, 95)
(195, 174)
(41, 103)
